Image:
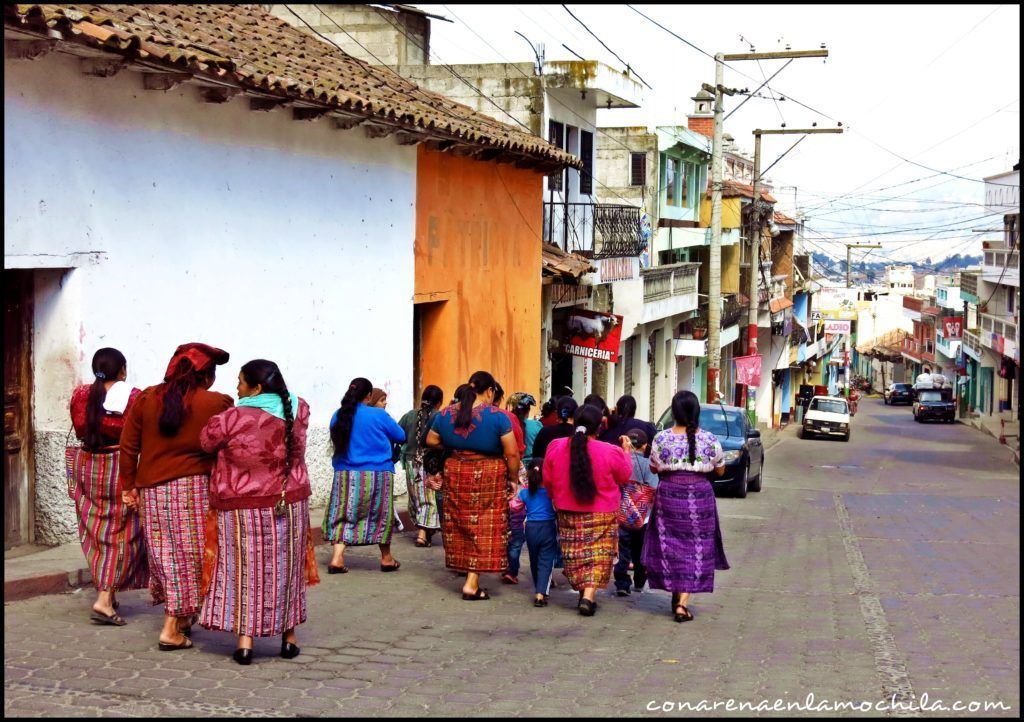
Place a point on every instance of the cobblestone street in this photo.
(886, 565)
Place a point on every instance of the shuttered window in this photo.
(637, 169)
(587, 156)
(556, 136)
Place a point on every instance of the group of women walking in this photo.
(207, 500)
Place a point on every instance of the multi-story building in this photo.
(991, 341)
(900, 279)
(663, 331)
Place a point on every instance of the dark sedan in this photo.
(899, 394)
(935, 404)
(744, 453)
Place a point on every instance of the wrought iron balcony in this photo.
(972, 342)
(731, 310)
(598, 230)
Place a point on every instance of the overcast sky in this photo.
(936, 84)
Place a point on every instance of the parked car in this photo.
(828, 416)
(899, 394)
(935, 404)
(744, 452)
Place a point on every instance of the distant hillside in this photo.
(876, 269)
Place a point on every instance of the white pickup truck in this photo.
(828, 416)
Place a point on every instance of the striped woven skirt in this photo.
(172, 520)
(257, 570)
(475, 521)
(110, 532)
(590, 542)
(423, 508)
(360, 510)
(683, 546)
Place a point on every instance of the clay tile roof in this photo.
(243, 46)
(778, 304)
(735, 189)
(781, 217)
(556, 262)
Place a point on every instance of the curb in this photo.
(17, 590)
(62, 582)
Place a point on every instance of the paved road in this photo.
(886, 565)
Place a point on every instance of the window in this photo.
(1011, 304)
(829, 406)
(637, 169)
(556, 136)
(587, 156)
(683, 183)
(671, 181)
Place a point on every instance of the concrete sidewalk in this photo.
(33, 571)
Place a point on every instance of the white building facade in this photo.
(145, 220)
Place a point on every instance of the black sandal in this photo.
(480, 593)
(337, 570)
(391, 567)
(422, 543)
(540, 602)
(685, 616)
(587, 607)
(114, 618)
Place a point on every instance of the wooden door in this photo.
(17, 407)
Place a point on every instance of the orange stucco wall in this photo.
(478, 261)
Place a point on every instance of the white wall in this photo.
(250, 231)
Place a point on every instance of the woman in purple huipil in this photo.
(683, 547)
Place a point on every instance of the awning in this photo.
(556, 262)
(778, 304)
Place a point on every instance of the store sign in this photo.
(952, 327)
(593, 335)
(618, 269)
(837, 327)
(839, 303)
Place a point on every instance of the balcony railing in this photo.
(597, 230)
(666, 281)
(972, 341)
(994, 324)
(1001, 267)
(731, 310)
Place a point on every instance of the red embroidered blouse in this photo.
(111, 423)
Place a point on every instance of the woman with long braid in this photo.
(110, 532)
(359, 511)
(478, 479)
(424, 502)
(683, 546)
(259, 550)
(583, 477)
(164, 470)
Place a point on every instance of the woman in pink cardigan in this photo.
(259, 499)
(583, 477)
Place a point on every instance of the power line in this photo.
(800, 103)
(594, 35)
(447, 67)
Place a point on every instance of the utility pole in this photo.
(715, 251)
(756, 224)
(850, 247)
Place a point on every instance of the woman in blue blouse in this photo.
(360, 510)
(478, 478)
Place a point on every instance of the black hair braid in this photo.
(691, 437)
(289, 423)
(341, 432)
(581, 472)
(93, 414)
(176, 400)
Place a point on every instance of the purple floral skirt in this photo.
(683, 545)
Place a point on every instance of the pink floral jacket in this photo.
(250, 449)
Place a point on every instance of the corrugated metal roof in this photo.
(244, 46)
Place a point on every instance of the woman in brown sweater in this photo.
(161, 457)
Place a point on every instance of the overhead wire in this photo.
(605, 46)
